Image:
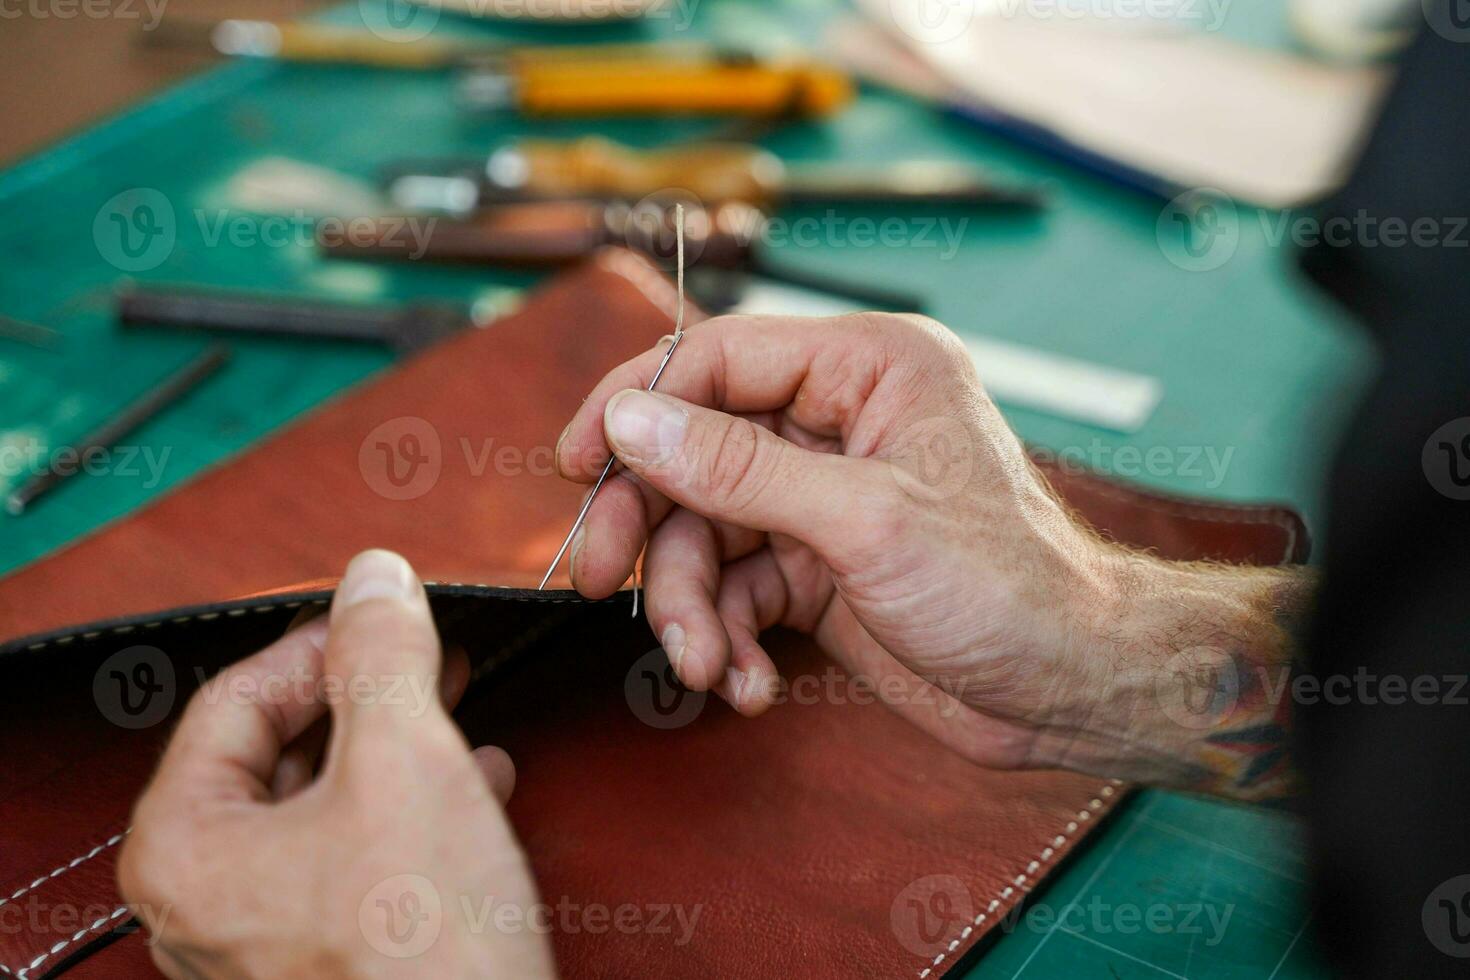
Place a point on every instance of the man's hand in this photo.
(243, 863)
(850, 478)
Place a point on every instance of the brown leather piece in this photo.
(1181, 528)
(815, 840)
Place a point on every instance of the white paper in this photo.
(1189, 106)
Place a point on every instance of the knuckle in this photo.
(911, 335)
(736, 468)
(148, 872)
(936, 336)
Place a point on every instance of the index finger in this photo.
(817, 369)
(232, 734)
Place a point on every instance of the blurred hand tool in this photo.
(720, 291)
(31, 334)
(564, 12)
(403, 329)
(554, 233)
(594, 167)
(169, 391)
(658, 86)
(322, 43)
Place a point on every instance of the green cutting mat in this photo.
(1254, 371)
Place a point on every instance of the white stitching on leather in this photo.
(1020, 880)
(25, 971)
(205, 617)
(58, 872)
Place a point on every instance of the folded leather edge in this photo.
(107, 928)
(291, 598)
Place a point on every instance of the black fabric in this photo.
(1389, 785)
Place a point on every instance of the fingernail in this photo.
(674, 642)
(643, 426)
(377, 574)
(736, 680)
(556, 453)
(578, 539)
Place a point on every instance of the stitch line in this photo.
(210, 616)
(25, 971)
(1020, 880)
(63, 869)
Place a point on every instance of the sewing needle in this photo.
(607, 470)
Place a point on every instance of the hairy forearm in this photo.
(1197, 660)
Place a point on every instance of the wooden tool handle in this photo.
(310, 42)
(593, 166)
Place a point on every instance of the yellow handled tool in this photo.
(659, 87)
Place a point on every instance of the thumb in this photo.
(383, 655)
(732, 470)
